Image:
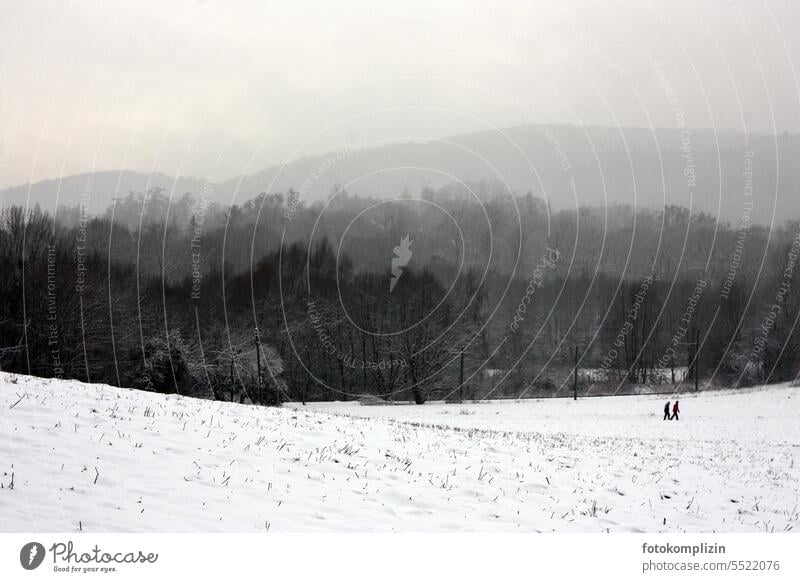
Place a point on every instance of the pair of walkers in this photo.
(675, 411)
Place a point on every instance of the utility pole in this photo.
(461, 379)
(693, 353)
(258, 359)
(672, 367)
(696, 360)
(575, 376)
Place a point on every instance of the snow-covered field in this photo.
(77, 456)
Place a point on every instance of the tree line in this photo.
(274, 299)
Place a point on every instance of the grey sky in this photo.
(213, 88)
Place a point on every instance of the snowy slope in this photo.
(99, 458)
(762, 416)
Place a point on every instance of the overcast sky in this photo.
(219, 88)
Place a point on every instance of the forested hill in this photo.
(321, 301)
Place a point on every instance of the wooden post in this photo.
(575, 376)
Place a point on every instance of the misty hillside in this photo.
(96, 189)
(701, 169)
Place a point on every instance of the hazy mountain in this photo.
(97, 189)
(702, 168)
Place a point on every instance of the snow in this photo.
(97, 458)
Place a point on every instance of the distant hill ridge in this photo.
(702, 169)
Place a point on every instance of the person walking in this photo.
(675, 411)
(666, 411)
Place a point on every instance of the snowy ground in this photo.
(78, 456)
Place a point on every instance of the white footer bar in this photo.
(406, 557)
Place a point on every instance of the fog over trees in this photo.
(567, 165)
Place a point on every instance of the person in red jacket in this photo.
(675, 411)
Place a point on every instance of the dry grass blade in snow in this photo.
(87, 457)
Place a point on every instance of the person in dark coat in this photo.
(675, 411)
(666, 411)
